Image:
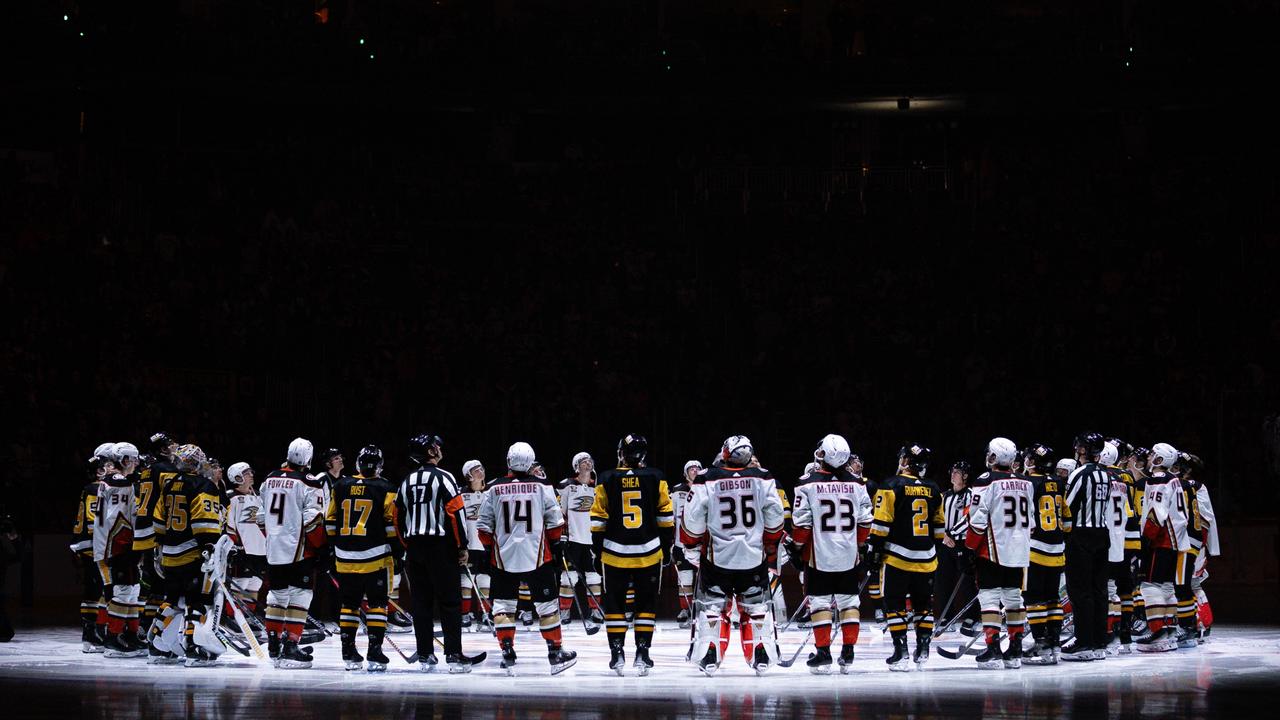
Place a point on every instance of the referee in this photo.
(429, 506)
(1087, 499)
(955, 561)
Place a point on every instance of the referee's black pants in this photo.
(431, 564)
(1087, 571)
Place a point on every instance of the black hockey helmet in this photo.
(327, 457)
(369, 460)
(963, 466)
(1038, 455)
(1139, 456)
(162, 445)
(1123, 449)
(421, 447)
(916, 455)
(1191, 464)
(632, 450)
(1089, 443)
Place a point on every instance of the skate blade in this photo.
(394, 630)
(293, 665)
(822, 670)
(375, 667)
(900, 666)
(459, 668)
(164, 661)
(352, 665)
(617, 669)
(561, 667)
(91, 649)
(119, 655)
(199, 663)
(846, 669)
(1012, 664)
(710, 670)
(991, 665)
(642, 670)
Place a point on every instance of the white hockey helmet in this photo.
(124, 450)
(1001, 452)
(104, 451)
(236, 471)
(1163, 455)
(300, 451)
(577, 460)
(691, 464)
(520, 456)
(470, 465)
(1110, 454)
(811, 468)
(737, 451)
(1068, 464)
(833, 450)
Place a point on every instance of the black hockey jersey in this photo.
(187, 517)
(361, 524)
(908, 521)
(632, 516)
(1048, 536)
(147, 492)
(86, 516)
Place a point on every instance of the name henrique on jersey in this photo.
(1000, 518)
(576, 500)
(734, 513)
(245, 522)
(518, 520)
(293, 512)
(632, 513)
(908, 519)
(832, 517)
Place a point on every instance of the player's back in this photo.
(735, 508)
(1048, 539)
(908, 514)
(833, 507)
(360, 524)
(289, 501)
(1003, 503)
(518, 511)
(114, 532)
(631, 504)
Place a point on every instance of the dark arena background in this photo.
(354, 221)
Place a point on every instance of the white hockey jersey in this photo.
(679, 500)
(830, 516)
(292, 511)
(1001, 511)
(1209, 521)
(575, 501)
(1119, 517)
(1163, 522)
(733, 515)
(471, 503)
(113, 533)
(246, 521)
(521, 516)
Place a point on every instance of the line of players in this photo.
(729, 519)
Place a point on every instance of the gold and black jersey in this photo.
(147, 492)
(86, 515)
(1047, 532)
(361, 524)
(187, 517)
(908, 520)
(633, 516)
(1133, 526)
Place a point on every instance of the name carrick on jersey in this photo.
(245, 521)
(736, 515)
(908, 519)
(361, 524)
(147, 491)
(471, 503)
(632, 513)
(113, 535)
(1049, 526)
(293, 513)
(576, 500)
(1000, 518)
(832, 517)
(1163, 522)
(188, 517)
(518, 520)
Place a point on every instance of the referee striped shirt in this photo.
(955, 506)
(430, 505)
(1088, 496)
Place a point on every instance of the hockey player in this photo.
(1120, 580)
(1193, 469)
(246, 521)
(113, 552)
(680, 494)
(1187, 505)
(1134, 556)
(1064, 468)
(477, 566)
(577, 494)
(908, 521)
(1164, 531)
(295, 533)
(519, 520)
(151, 481)
(1048, 547)
(1000, 534)
(633, 524)
(832, 520)
(361, 525)
(187, 523)
(92, 604)
(736, 517)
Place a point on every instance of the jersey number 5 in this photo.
(632, 515)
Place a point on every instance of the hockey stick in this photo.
(950, 600)
(221, 551)
(788, 663)
(697, 609)
(799, 608)
(590, 630)
(960, 651)
(412, 660)
(941, 628)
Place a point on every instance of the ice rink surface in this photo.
(1234, 675)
